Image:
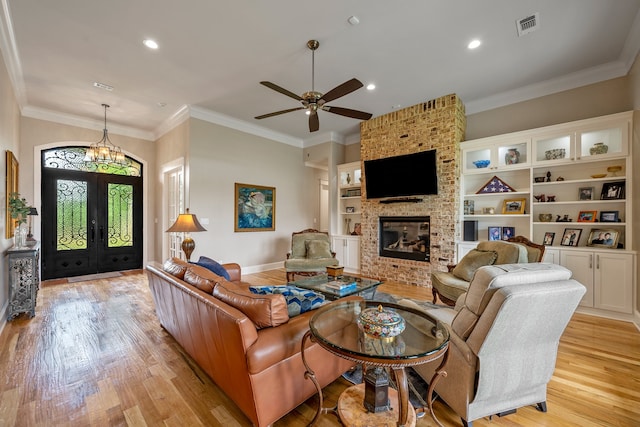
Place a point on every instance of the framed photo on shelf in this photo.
(571, 236)
(513, 206)
(548, 238)
(350, 209)
(508, 232)
(495, 233)
(609, 216)
(585, 193)
(603, 237)
(612, 190)
(587, 216)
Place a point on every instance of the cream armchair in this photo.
(504, 338)
(449, 285)
(310, 254)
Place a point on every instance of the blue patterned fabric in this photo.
(214, 266)
(298, 300)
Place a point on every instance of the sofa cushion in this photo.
(473, 260)
(202, 278)
(317, 249)
(213, 266)
(316, 264)
(508, 252)
(298, 300)
(176, 267)
(263, 310)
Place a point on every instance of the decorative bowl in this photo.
(539, 179)
(379, 322)
(598, 175)
(482, 163)
(599, 148)
(545, 217)
(614, 169)
(556, 153)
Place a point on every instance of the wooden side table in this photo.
(24, 279)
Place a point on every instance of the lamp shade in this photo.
(186, 223)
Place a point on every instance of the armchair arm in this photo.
(234, 270)
(450, 267)
(288, 255)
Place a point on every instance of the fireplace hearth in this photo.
(405, 237)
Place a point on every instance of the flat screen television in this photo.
(401, 176)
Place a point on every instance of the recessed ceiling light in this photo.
(353, 20)
(474, 44)
(371, 86)
(151, 44)
(162, 104)
(103, 86)
(395, 107)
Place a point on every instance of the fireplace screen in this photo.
(405, 237)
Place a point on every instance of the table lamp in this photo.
(32, 212)
(186, 223)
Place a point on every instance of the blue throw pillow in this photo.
(214, 266)
(298, 300)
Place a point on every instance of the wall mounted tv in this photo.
(406, 175)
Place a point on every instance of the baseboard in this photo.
(262, 267)
(636, 319)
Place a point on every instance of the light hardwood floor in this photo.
(96, 355)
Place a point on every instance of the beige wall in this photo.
(9, 140)
(218, 158)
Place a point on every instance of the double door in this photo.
(91, 223)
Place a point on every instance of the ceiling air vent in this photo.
(528, 24)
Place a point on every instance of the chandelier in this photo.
(104, 151)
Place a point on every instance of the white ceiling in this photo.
(213, 54)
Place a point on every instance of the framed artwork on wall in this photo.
(255, 208)
(11, 187)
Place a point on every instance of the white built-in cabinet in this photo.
(568, 162)
(346, 243)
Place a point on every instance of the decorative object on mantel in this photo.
(495, 185)
(105, 151)
(186, 223)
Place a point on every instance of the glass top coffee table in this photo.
(323, 283)
(335, 328)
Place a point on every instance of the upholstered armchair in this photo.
(449, 285)
(504, 335)
(310, 254)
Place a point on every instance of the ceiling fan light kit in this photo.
(312, 101)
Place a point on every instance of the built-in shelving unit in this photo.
(346, 243)
(585, 166)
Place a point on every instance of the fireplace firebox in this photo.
(405, 237)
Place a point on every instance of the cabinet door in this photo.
(339, 247)
(581, 265)
(613, 282)
(553, 149)
(352, 258)
(551, 256)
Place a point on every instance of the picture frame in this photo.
(613, 190)
(604, 237)
(494, 233)
(495, 185)
(11, 187)
(587, 216)
(547, 240)
(508, 232)
(585, 193)
(571, 236)
(514, 206)
(609, 216)
(350, 209)
(254, 208)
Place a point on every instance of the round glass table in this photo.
(335, 327)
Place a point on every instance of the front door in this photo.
(91, 222)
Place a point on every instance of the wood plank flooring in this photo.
(95, 355)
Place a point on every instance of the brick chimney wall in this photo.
(437, 124)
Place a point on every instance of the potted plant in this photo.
(18, 210)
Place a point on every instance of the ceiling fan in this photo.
(312, 101)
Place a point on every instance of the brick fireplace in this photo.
(437, 124)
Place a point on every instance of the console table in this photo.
(24, 279)
(335, 328)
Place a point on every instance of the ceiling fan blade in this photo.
(281, 90)
(342, 90)
(347, 112)
(277, 113)
(314, 122)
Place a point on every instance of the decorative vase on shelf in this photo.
(348, 179)
(598, 148)
(512, 157)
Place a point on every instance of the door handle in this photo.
(93, 234)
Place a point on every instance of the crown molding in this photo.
(176, 119)
(324, 137)
(230, 122)
(83, 122)
(631, 46)
(10, 54)
(581, 78)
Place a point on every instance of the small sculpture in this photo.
(548, 176)
(551, 198)
(563, 219)
(539, 197)
(559, 178)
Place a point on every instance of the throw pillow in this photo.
(472, 261)
(263, 310)
(318, 249)
(213, 266)
(298, 300)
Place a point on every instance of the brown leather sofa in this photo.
(246, 343)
